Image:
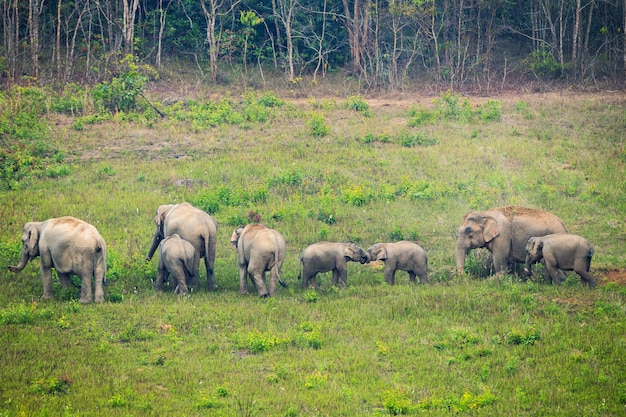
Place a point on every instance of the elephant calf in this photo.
(404, 256)
(259, 249)
(330, 256)
(561, 251)
(177, 258)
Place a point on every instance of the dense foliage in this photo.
(380, 43)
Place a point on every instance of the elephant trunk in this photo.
(461, 254)
(155, 244)
(529, 265)
(24, 258)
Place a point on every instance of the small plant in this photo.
(356, 195)
(357, 103)
(397, 402)
(526, 337)
(315, 379)
(311, 296)
(52, 385)
(396, 234)
(317, 125)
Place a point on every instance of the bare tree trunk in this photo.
(34, 10)
(624, 39)
(58, 41)
(69, 65)
(575, 38)
(211, 14)
(279, 41)
(162, 16)
(285, 14)
(128, 27)
(10, 20)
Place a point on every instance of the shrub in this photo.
(318, 125)
(120, 94)
(543, 64)
(357, 103)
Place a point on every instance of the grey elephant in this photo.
(404, 256)
(70, 246)
(561, 252)
(176, 259)
(330, 256)
(195, 226)
(259, 249)
(504, 231)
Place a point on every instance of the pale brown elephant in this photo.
(504, 231)
(561, 252)
(330, 256)
(259, 249)
(404, 256)
(176, 259)
(195, 226)
(70, 246)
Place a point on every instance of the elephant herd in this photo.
(186, 234)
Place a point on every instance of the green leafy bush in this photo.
(543, 64)
(318, 125)
(121, 93)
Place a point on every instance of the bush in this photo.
(120, 94)
(318, 125)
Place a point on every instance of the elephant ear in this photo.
(491, 230)
(234, 238)
(381, 253)
(33, 240)
(348, 250)
(160, 216)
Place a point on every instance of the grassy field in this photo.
(353, 168)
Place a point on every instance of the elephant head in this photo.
(234, 238)
(159, 233)
(355, 253)
(377, 252)
(476, 231)
(534, 252)
(30, 246)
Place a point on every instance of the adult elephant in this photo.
(70, 246)
(504, 231)
(330, 256)
(195, 226)
(259, 249)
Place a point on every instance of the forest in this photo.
(382, 44)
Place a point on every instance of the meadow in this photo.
(338, 168)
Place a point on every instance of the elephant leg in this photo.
(335, 279)
(343, 277)
(162, 274)
(586, 277)
(422, 273)
(273, 281)
(500, 263)
(390, 275)
(46, 278)
(195, 279)
(413, 276)
(553, 273)
(86, 294)
(65, 280)
(243, 276)
(182, 282)
(259, 283)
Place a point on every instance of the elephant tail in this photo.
(590, 253)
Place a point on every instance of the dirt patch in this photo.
(617, 276)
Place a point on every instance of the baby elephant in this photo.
(330, 256)
(404, 256)
(561, 251)
(177, 256)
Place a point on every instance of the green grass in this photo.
(460, 345)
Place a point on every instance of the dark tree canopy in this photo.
(383, 44)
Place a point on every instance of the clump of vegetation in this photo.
(452, 107)
(317, 125)
(358, 104)
(122, 92)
